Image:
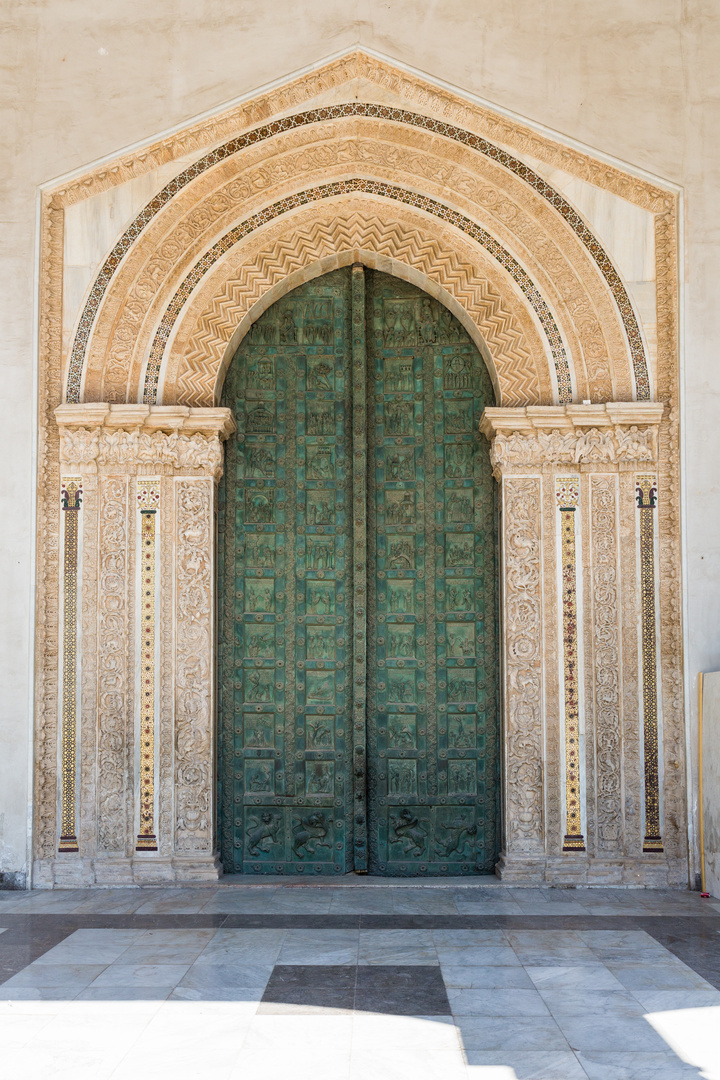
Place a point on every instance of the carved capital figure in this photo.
(579, 435)
(127, 436)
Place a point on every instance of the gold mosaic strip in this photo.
(567, 491)
(148, 497)
(71, 503)
(646, 496)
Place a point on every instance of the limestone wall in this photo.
(711, 780)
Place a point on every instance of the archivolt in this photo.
(537, 257)
(403, 116)
(319, 238)
(372, 187)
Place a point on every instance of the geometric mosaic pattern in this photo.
(568, 496)
(476, 142)
(148, 497)
(71, 503)
(646, 496)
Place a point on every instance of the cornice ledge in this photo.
(564, 418)
(147, 418)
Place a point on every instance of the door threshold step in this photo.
(357, 881)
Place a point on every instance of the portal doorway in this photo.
(358, 582)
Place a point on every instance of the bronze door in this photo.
(358, 719)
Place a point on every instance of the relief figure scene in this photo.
(261, 461)
(320, 553)
(261, 373)
(320, 642)
(259, 640)
(320, 598)
(259, 730)
(320, 688)
(320, 507)
(320, 417)
(259, 506)
(400, 551)
(320, 463)
(402, 730)
(260, 550)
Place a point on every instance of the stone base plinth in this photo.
(581, 869)
(73, 872)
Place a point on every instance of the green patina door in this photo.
(358, 703)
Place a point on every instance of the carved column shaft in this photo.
(585, 654)
(138, 653)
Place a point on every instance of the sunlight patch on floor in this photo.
(694, 1035)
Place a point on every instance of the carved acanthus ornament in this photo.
(618, 433)
(131, 437)
(523, 666)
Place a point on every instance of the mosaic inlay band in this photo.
(148, 497)
(567, 491)
(439, 127)
(71, 503)
(372, 187)
(646, 495)
(360, 555)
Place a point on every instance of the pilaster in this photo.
(581, 701)
(136, 724)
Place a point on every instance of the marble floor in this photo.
(360, 980)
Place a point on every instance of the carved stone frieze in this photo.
(112, 718)
(607, 670)
(591, 445)
(166, 675)
(194, 668)
(523, 666)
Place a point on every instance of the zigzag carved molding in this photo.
(205, 340)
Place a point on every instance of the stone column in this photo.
(137, 731)
(582, 715)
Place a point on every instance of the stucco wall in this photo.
(636, 79)
(711, 780)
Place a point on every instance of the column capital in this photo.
(140, 439)
(616, 433)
